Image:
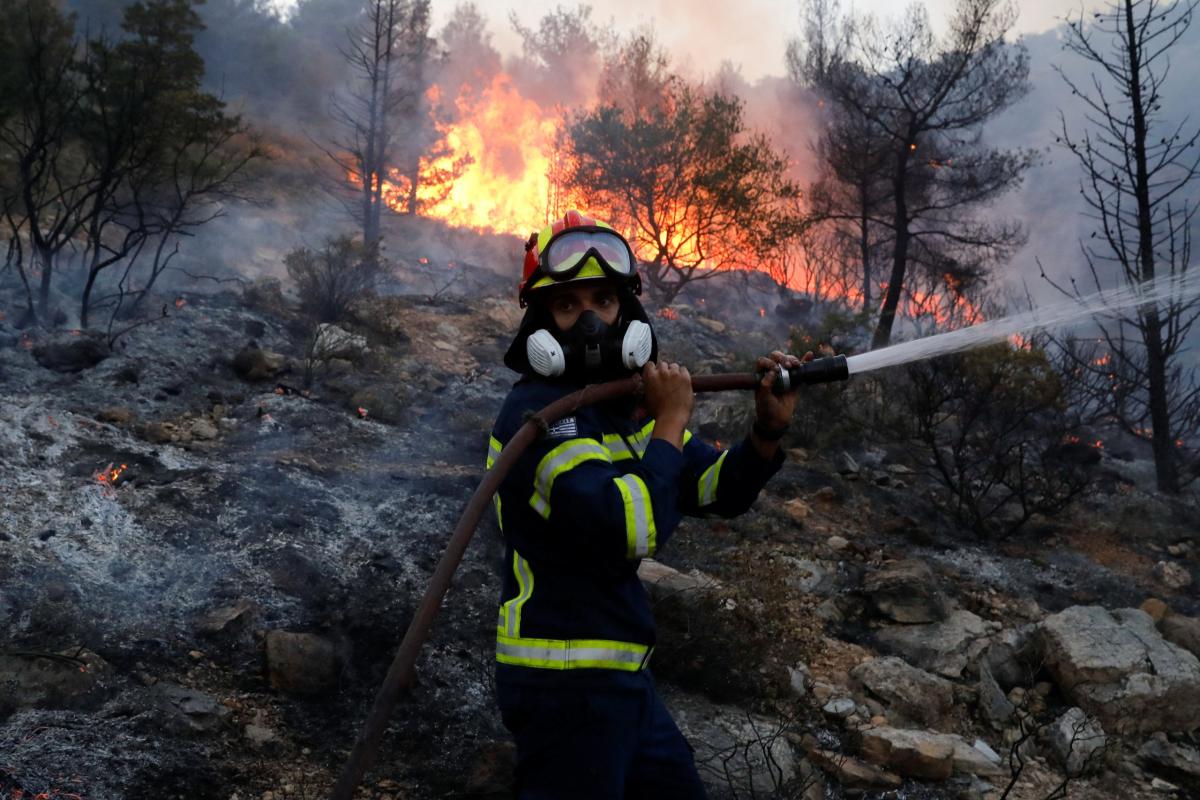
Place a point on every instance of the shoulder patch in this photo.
(565, 428)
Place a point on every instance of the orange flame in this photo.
(362, 413)
(108, 476)
(666, 312)
(180, 302)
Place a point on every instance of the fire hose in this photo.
(401, 674)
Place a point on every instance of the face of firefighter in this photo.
(568, 301)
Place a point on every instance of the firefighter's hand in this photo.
(773, 411)
(669, 399)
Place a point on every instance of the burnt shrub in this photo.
(736, 642)
(996, 428)
(331, 279)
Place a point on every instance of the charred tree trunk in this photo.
(1162, 440)
(891, 300)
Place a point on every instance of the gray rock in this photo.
(74, 679)
(913, 754)
(906, 591)
(846, 465)
(1179, 762)
(928, 755)
(840, 707)
(187, 710)
(663, 582)
(811, 577)
(1183, 631)
(227, 620)
(852, 773)
(301, 663)
(800, 678)
(994, 705)
(1172, 575)
(910, 691)
(1116, 666)
(1012, 656)
(734, 750)
(945, 647)
(67, 353)
(1077, 742)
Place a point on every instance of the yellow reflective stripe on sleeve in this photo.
(571, 653)
(494, 449)
(707, 485)
(640, 533)
(558, 461)
(510, 612)
(617, 446)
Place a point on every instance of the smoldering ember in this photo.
(260, 277)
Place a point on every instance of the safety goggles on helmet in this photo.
(574, 252)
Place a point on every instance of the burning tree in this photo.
(676, 167)
(910, 107)
(1137, 168)
(389, 139)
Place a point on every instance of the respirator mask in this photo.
(591, 349)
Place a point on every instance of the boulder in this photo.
(994, 705)
(185, 710)
(330, 341)
(71, 353)
(227, 620)
(255, 364)
(1183, 631)
(1116, 666)
(662, 581)
(913, 754)
(1172, 575)
(929, 755)
(945, 647)
(852, 773)
(1012, 656)
(1077, 742)
(750, 753)
(912, 692)
(1179, 762)
(812, 577)
(301, 663)
(72, 679)
(906, 591)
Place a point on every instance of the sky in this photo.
(751, 34)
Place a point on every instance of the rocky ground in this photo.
(213, 535)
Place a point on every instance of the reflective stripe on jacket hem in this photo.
(571, 653)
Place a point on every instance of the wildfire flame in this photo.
(180, 302)
(362, 412)
(666, 312)
(109, 475)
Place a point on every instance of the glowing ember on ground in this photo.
(1098, 444)
(666, 312)
(362, 412)
(180, 302)
(762, 312)
(109, 475)
(279, 390)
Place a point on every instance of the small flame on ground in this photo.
(362, 413)
(1071, 439)
(666, 312)
(279, 390)
(1098, 444)
(109, 475)
(180, 302)
(762, 312)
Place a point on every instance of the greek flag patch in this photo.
(565, 428)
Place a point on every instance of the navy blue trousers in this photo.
(588, 742)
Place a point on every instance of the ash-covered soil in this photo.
(212, 544)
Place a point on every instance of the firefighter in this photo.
(603, 489)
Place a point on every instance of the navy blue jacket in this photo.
(579, 511)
